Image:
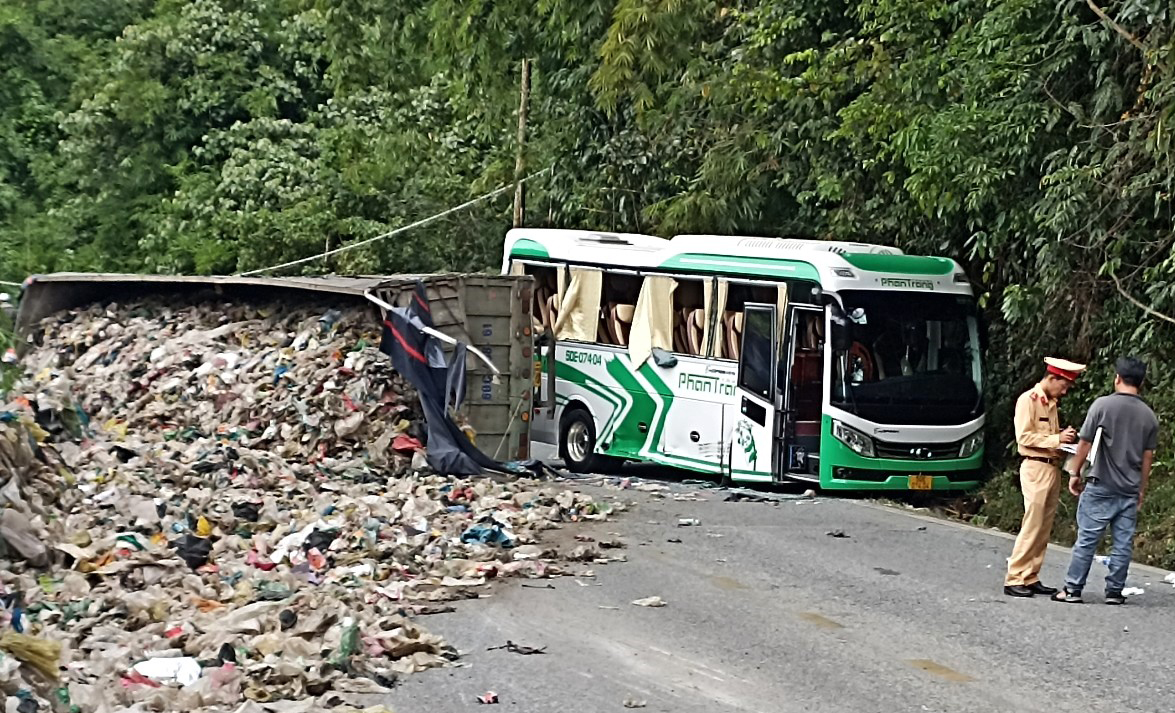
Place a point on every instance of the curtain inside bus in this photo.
(579, 310)
(713, 302)
(652, 326)
(781, 317)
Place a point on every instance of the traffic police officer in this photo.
(1038, 438)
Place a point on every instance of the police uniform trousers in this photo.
(1038, 482)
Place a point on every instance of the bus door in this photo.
(753, 415)
(544, 427)
(802, 394)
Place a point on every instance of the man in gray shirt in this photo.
(1122, 431)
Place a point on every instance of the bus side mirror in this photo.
(839, 335)
(841, 340)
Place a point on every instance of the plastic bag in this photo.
(42, 654)
(18, 532)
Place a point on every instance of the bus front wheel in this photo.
(577, 441)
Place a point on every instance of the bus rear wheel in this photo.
(577, 442)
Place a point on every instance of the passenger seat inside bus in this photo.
(681, 331)
(732, 324)
(553, 310)
(688, 331)
(616, 322)
(542, 308)
(697, 331)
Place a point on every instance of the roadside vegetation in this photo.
(1030, 139)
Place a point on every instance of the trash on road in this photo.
(218, 506)
(840, 534)
(41, 654)
(650, 602)
(518, 649)
(688, 522)
(1133, 591)
(179, 670)
(635, 703)
(1170, 578)
(755, 496)
(488, 697)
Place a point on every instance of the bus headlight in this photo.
(854, 439)
(971, 445)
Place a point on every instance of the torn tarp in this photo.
(419, 359)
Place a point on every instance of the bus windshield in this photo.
(912, 359)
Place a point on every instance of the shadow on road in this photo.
(953, 504)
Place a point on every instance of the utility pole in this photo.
(520, 159)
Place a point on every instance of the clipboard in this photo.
(1070, 450)
(1097, 441)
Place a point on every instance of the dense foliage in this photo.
(1030, 139)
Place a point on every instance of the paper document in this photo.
(1097, 441)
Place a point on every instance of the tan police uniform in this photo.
(1038, 438)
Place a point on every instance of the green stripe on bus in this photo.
(901, 264)
(528, 248)
(739, 265)
(648, 371)
(642, 410)
(596, 387)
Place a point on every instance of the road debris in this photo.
(1170, 578)
(757, 496)
(222, 506)
(181, 670)
(635, 703)
(688, 522)
(1133, 591)
(840, 534)
(650, 602)
(518, 649)
(488, 697)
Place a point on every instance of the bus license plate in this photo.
(921, 482)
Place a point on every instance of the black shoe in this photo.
(1039, 588)
(1115, 598)
(1017, 590)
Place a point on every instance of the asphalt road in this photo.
(767, 612)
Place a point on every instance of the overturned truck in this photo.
(489, 313)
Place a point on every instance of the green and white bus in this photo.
(755, 359)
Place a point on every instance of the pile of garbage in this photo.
(227, 507)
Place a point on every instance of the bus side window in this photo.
(545, 307)
(729, 333)
(688, 318)
(618, 299)
(578, 316)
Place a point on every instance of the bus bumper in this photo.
(843, 469)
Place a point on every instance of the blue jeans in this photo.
(1097, 510)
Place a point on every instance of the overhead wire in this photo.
(396, 231)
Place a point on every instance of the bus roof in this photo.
(834, 265)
